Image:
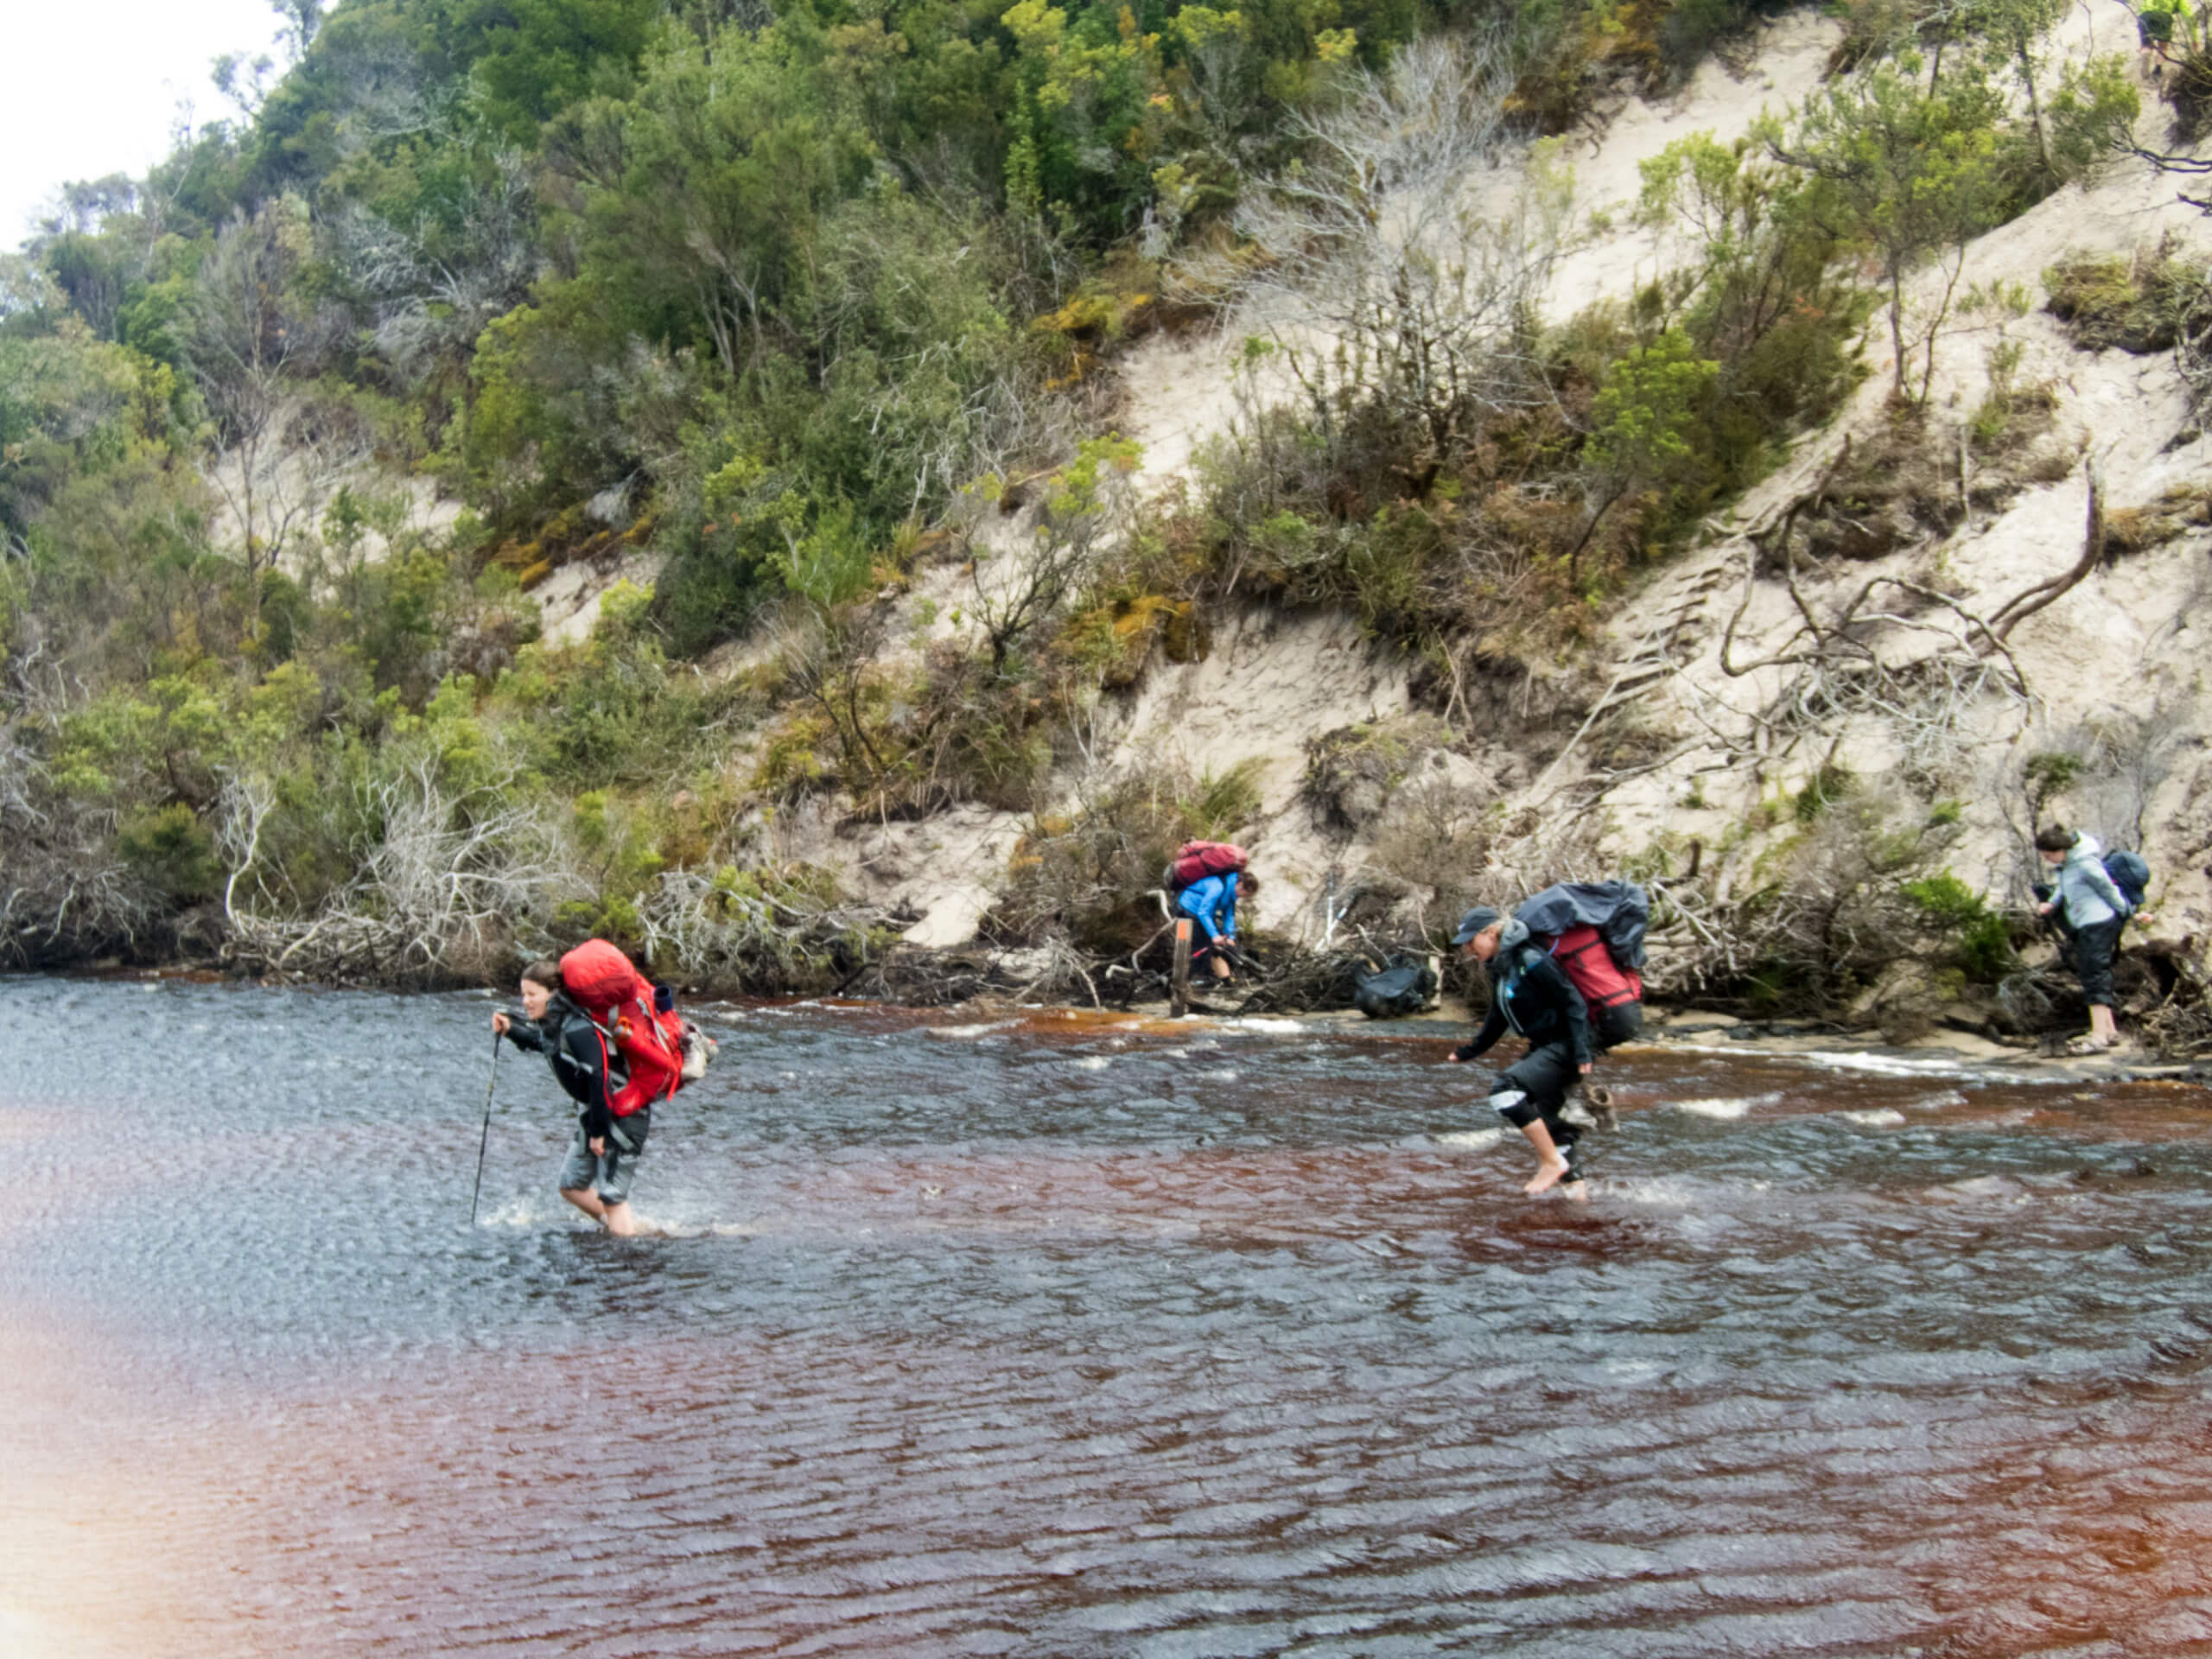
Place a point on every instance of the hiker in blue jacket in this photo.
(2090, 907)
(1210, 903)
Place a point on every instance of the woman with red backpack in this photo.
(615, 1052)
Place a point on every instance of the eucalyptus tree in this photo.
(1911, 171)
(1400, 264)
(253, 338)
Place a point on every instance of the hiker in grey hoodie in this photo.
(2092, 910)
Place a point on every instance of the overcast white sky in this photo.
(90, 87)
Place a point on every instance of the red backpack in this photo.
(619, 999)
(1582, 956)
(1199, 859)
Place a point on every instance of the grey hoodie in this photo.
(2086, 892)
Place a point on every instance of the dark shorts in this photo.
(1205, 929)
(2092, 949)
(1622, 1023)
(610, 1173)
(1534, 1087)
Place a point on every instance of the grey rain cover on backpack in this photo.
(1620, 911)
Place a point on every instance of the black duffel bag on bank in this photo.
(1400, 987)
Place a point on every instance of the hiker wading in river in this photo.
(1529, 996)
(611, 1120)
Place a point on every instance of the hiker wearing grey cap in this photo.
(1530, 996)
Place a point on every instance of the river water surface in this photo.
(1066, 1336)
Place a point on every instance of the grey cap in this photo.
(1473, 922)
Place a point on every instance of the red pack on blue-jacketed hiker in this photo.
(1198, 860)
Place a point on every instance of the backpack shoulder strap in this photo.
(1573, 950)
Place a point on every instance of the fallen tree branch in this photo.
(2023, 605)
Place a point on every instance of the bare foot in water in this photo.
(1548, 1175)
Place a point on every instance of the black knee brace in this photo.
(1514, 1107)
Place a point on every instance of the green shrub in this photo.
(2135, 304)
(2048, 773)
(172, 851)
(1831, 784)
(1982, 944)
(1222, 804)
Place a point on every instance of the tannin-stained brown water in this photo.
(1069, 1337)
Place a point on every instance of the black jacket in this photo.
(583, 1062)
(1529, 994)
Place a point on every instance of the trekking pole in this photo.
(485, 1140)
(1179, 984)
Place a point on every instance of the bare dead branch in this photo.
(2026, 604)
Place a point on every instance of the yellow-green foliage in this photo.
(792, 757)
(2134, 302)
(172, 850)
(619, 842)
(1116, 639)
(1351, 772)
(1116, 302)
(1221, 804)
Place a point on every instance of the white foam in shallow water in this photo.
(1723, 1107)
(1093, 1062)
(967, 1031)
(1936, 1103)
(1884, 1065)
(1662, 1193)
(2001, 1188)
(526, 1211)
(1881, 1065)
(1257, 1023)
(1881, 1117)
(1470, 1139)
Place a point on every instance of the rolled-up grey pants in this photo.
(610, 1172)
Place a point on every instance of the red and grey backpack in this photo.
(1596, 934)
(1583, 957)
(1198, 860)
(656, 1044)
